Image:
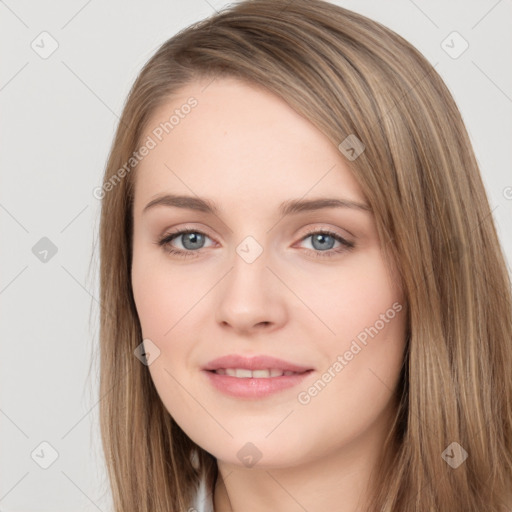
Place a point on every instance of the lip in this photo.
(254, 388)
(260, 362)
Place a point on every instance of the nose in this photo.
(250, 297)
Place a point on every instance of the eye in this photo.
(322, 242)
(192, 241)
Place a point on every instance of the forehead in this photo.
(238, 141)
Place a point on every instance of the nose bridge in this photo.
(249, 267)
(248, 297)
(250, 250)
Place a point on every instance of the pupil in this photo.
(321, 238)
(192, 238)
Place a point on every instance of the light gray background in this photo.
(58, 116)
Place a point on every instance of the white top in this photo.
(203, 501)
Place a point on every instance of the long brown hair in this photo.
(350, 76)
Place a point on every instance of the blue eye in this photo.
(193, 240)
(319, 238)
(189, 238)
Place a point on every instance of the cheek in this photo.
(364, 308)
(148, 289)
(162, 301)
(352, 298)
(158, 290)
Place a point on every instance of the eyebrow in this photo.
(287, 207)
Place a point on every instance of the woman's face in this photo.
(250, 281)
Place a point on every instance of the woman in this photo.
(340, 337)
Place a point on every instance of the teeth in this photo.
(243, 373)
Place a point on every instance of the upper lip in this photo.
(260, 362)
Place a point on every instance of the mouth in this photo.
(253, 377)
(244, 373)
(241, 383)
(237, 365)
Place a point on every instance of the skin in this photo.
(247, 150)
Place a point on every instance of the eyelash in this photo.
(168, 238)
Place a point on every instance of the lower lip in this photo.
(254, 388)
